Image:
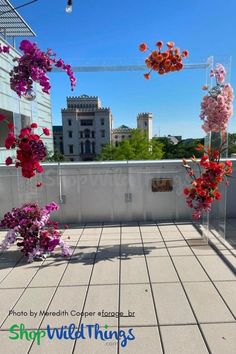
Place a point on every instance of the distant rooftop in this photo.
(11, 22)
(122, 129)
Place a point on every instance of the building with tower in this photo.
(87, 127)
(144, 122)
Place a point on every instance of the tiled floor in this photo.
(173, 290)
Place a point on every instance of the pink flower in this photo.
(2, 117)
(46, 131)
(11, 126)
(8, 161)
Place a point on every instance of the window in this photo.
(69, 122)
(93, 147)
(86, 122)
(103, 133)
(102, 121)
(71, 159)
(145, 124)
(87, 133)
(82, 148)
(81, 134)
(87, 147)
(123, 136)
(116, 136)
(70, 133)
(93, 134)
(71, 149)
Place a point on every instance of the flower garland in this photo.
(4, 48)
(204, 189)
(217, 105)
(163, 61)
(30, 227)
(33, 66)
(30, 149)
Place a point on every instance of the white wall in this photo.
(96, 191)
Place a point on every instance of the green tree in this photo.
(56, 157)
(138, 147)
(231, 144)
(184, 149)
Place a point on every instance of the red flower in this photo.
(147, 76)
(185, 53)
(39, 184)
(34, 125)
(159, 44)
(186, 191)
(8, 161)
(143, 47)
(11, 126)
(10, 141)
(24, 133)
(217, 195)
(46, 131)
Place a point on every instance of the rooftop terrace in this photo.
(167, 284)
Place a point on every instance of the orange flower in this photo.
(167, 63)
(148, 63)
(147, 76)
(155, 67)
(143, 47)
(155, 54)
(161, 71)
(205, 87)
(165, 55)
(185, 53)
(170, 44)
(159, 44)
(199, 147)
(159, 57)
(178, 57)
(179, 66)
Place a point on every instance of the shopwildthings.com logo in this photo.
(72, 332)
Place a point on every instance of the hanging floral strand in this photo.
(166, 61)
(30, 149)
(32, 66)
(217, 105)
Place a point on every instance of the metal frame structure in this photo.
(11, 22)
(119, 68)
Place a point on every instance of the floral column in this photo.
(217, 109)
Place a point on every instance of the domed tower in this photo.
(144, 122)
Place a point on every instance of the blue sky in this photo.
(109, 32)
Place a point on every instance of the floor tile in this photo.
(137, 299)
(134, 271)
(228, 291)
(172, 304)
(207, 303)
(183, 340)
(189, 269)
(161, 269)
(35, 300)
(216, 268)
(221, 337)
